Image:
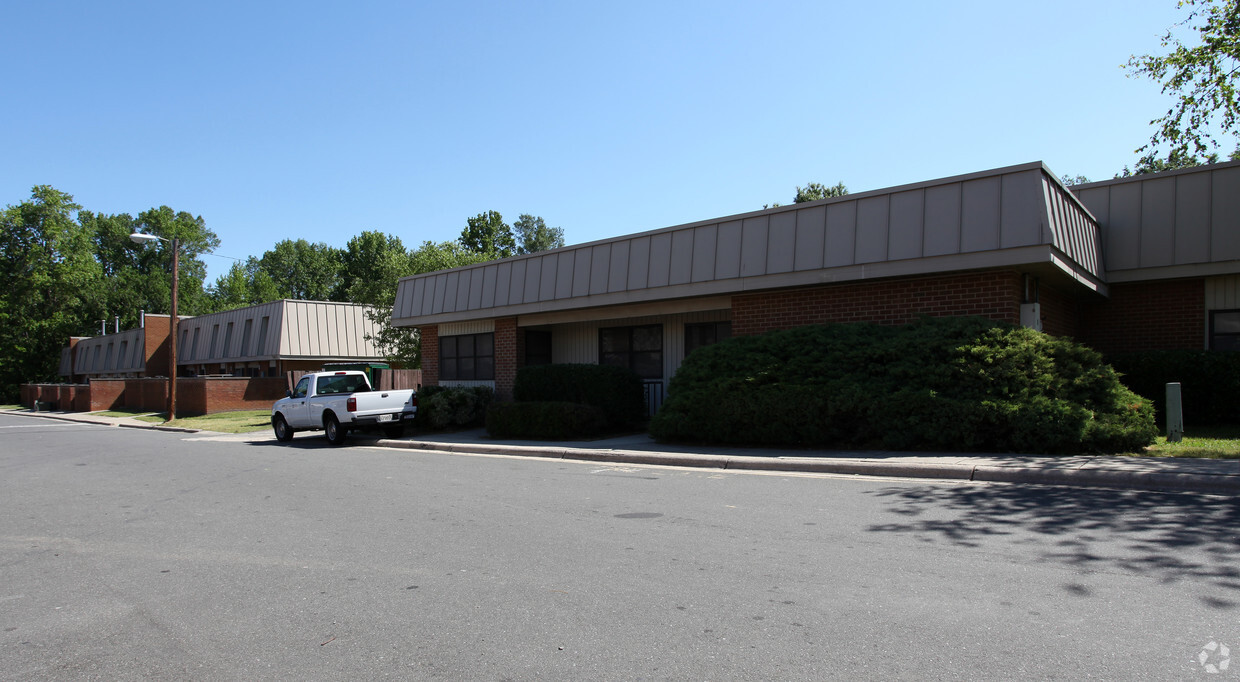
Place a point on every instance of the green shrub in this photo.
(616, 391)
(957, 384)
(445, 407)
(1209, 382)
(545, 419)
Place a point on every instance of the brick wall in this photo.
(203, 395)
(107, 394)
(1166, 315)
(430, 354)
(505, 357)
(995, 295)
(1060, 313)
(155, 345)
(65, 397)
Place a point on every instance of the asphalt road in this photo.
(129, 554)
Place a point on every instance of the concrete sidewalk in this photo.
(1144, 473)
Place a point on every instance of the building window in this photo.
(245, 337)
(215, 337)
(122, 360)
(469, 357)
(704, 334)
(537, 348)
(193, 349)
(638, 348)
(110, 364)
(181, 345)
(1225, 330)
(227, 340)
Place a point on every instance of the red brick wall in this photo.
(202, 395)
(107, 394)
(1165, 315)
(430, 354)
(155, 340)
(505, 357)
(67, 397)
(995, 295)
(1060, 313)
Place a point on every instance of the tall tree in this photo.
(301, 270)
(533, 235)
(243, 285)
(487, 233)
(50, 286)
(370, 265)
(1201, 76)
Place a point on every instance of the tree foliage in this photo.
(487, 233)
(1175, 160)
(814, 191)
(533, 235)
(302, 271)
(1201, 76)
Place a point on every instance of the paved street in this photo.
(135, 554)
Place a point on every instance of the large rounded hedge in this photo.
(955, 384)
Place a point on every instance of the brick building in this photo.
(1147, 262)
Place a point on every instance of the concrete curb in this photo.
(1223, 484)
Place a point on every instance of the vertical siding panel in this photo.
(600, 268)
(533, 279)
(1020, 194)
(660, 259)
(490, 281)
(1124, 228)
(681, 270)
(581, 272)
(1192, 218)
(462, 290)
(979, 224)
(728, 250)
(639, 263)
(704, 253)
(781, 243)
(476, 280)
(841, 242)
(942, 221)
(618, 269)
(1157, 222)
(873, 221)
(755, 233)
(1225, 219)
(564, 274)
(550, 268)
(907, 225)
(811, 237)
(516, 294)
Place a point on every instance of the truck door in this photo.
(299, 410)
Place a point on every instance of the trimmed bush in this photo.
(617, 391)
(445, 407)
(957, 384)
(551, 420)
(1209, 382)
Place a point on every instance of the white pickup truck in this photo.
(338, 402)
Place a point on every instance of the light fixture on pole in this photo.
(139, 238)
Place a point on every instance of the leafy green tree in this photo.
(245, 284)
(1200, 75)
(815, 191)
(371, 263)
(1071, 180)
(304, 271)
(403, 346)
(487, 233)
(50, 287)
(1150, 163)
(533, 235)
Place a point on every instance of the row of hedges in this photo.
(447, 407)
(1208, 381)
(957, 384)
(568, 401)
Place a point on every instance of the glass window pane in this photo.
(447, 369)
(465, 368)
(1227, 323)
(464, 346)
(613, 340)
(618, 359)
(447, 346)
(648, 365)
(648, 338)
(1225, 343)
(485, 344)
(485, 368)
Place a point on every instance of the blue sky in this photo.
(277, 120)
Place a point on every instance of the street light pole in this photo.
(140, 238)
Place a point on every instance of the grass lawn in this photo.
(242, 421)
(1217, 442)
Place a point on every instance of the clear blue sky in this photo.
(317, 120)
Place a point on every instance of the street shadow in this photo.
(1168, 536)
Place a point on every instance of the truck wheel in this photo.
(335, 432)
(394, 431)
(284, 433)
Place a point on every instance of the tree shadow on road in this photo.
(1169, 536)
